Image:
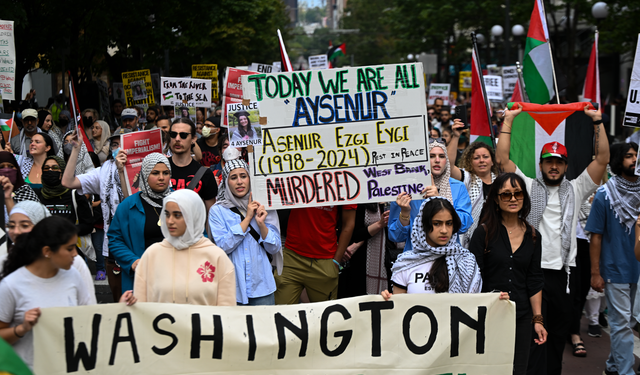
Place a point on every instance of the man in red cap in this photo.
(555, 205)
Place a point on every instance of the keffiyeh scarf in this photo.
(624, 200)
(146, 193)
(376, 272)
(442, 181)
(464, 273)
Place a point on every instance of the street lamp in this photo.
(410, 56)
(600, 10)
(496, 32)
(517, 31)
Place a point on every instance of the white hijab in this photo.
(194, 214)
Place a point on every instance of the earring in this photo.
(46, 256)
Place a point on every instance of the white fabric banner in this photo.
(632, 111)
(7, 60)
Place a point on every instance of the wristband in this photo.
(537, 319)
(404, 217)
(505, 133)
(15, 332)
(597, 122)
(337, 264)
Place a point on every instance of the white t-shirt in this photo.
(414, 280)
(22, 291)
(85, 273)
(93, 183)
(583, 187)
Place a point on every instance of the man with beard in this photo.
(614, 268)
(20, 144)
(152, 117)
(555, 207)
(164, 123)
(209, 142)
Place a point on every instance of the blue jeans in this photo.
(97, 238)
(268, 300)
(620, 299)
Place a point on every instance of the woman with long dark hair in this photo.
(31, 167)
(244, 130)
(508, 251)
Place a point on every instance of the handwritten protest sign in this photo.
(632, 110)
(210, 72)
(509, 79)
(465, 82)
(339, 136)
(409, 334)
(7, 60)
(138, 75)
(439, 91)
(232, 90)
(493, 85)
(138, 145)
(318, 62)
(189, 92)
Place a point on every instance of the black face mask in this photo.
(51, 178)
(63, 123)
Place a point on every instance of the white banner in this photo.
(7, 60)
(190, 92)
(409, 334)
(632, 111)
(263, 68)
(318, 62)
(493, 84)
(339, 136)
(509, 79)
(439, 91)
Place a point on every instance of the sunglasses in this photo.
(507, 196)
(183, 135)
(439, 140)
(50, 168)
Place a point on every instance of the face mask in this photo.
(63, 123)
(51, 178)
(67, 148)
(114, 153)
(206, 131)
(9, 173)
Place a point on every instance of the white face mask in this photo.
(207, 131)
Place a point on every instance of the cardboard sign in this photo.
(439, 91)
(7, 61)
(138, 145)
(138, 75)
(493, 84)
(210, 72)
(632, 111)
(509, 79)
(189, 92)
(232, 90)
(465, 82)
(318, 62)
(244, 128)
(263, 68)
(339, 136)
(409, 334)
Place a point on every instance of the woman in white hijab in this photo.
(185, 267)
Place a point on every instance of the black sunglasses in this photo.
(439, 140)
(507, 196)
(183, 135)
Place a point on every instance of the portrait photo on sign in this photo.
(244, 124)
(139, 90)
(181, 111)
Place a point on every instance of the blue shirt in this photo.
(618, 264)
(461, 202)
(254, 275)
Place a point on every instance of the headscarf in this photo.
(464, 273)
(84, 163)
(42, 115)
(146, 193)
(7, 157)
(48, 191)
(35, 211)
(104, 138)
(442, 181)
(194, 213)
(72, 121)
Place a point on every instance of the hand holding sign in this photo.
(121, 159)
(430, 191)
(252, 207)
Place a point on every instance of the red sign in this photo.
(232, 90)
(138, 145)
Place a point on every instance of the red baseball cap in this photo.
(554, 150)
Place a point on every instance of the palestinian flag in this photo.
(284, 56)
(537, 68)
(6, 122)
(539, 124)
(480, 127)
(517, 93)
(167, 96)
(591, 90)
(336, 51)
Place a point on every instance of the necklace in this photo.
(511, 230)
(160, 222)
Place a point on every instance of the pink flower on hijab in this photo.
(206, 272)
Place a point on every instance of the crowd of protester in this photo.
(551, 245)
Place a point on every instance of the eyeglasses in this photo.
(439, 140)
(507, 196)
(50, 168)
(183, 135)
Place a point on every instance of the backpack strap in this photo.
(196, 178)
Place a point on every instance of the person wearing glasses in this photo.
(182, 138)
(101, 133)
(508, 251)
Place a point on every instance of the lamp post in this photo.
(517, 31)
(600, 10)
(496, 32)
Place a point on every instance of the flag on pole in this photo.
(336, 51)
(286, 63)
(591, 90)
(538, 66)
(73, 103)
(539, 124)
(517, 93)
(480, 129)
(6, 124)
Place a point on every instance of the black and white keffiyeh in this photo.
(225, 198)
(442, 181)
(112, 192)
(624, 199)
(464, 273)
(146, 193)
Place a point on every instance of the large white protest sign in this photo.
(439, 91)
(409, 334)
(509, 79)
(339, 136)
(318, 62)
(7, 60)
(632, 111)
(263, 68)
(190, 92)
(493, 85)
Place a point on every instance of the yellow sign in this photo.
(207, 71)
(465, 81)
(138, 89)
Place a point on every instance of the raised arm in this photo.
(69, 179)
(504, 145)
(599, 164)
(452, 148)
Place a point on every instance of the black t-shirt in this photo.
(210, 155)
(152, 231)
(181, 176)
